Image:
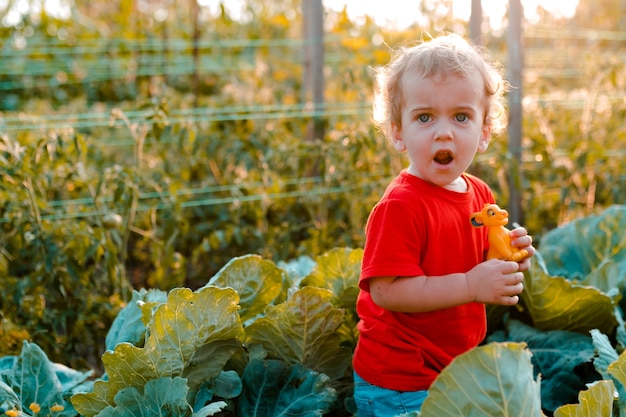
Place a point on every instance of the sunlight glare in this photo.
(390, 13)
(401, 14)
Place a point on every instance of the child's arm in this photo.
(490, 282)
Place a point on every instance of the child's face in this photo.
(442, 126)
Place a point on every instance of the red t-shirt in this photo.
(419, 229)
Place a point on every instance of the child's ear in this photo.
(399, 145)
(398, 142)
(485, 136)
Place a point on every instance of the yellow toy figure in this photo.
(495, 218)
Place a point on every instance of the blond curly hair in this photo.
(445, 55)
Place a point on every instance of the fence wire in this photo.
(50, 63)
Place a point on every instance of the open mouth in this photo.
(443, 157)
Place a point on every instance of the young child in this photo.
(424, 279)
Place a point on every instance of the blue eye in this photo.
(423, 118)
(461, 117)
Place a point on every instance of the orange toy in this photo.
(495, 218)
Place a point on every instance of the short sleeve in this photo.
(393, 242)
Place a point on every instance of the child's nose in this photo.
(444, 132)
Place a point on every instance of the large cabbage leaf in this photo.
(303, 330)
(491, 380)
(130, 323)
(555, 303)
(563, 359)
(258, 282)
(163, 397)
(596, 401)
(591, 250)
(32, 378)
(275, 388)
(338, 270)
(191, 327)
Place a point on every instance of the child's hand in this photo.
(495, 282)
(522, 240)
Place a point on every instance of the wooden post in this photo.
(514, 69)
(195, 50)
(165, 52)
(313, 83)
(476, 22)
(134, 41)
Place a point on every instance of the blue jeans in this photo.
(373, 401)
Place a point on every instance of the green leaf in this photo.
(591, 250)
(128, 325)
(181, 330)
(298, 268)
(69, 378)
(618, 368)
(227, 385)
(606, 355)
(490, 380)
(8, 397)
(554, 303)
(562, 358)
(210, 409)
(275, 388)
(596, 401)
(258, 282)
(208, 361)
(303, 330)
(32, 378)
(338, 270)
(617, 372)
(163, 397)
(92, 403)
